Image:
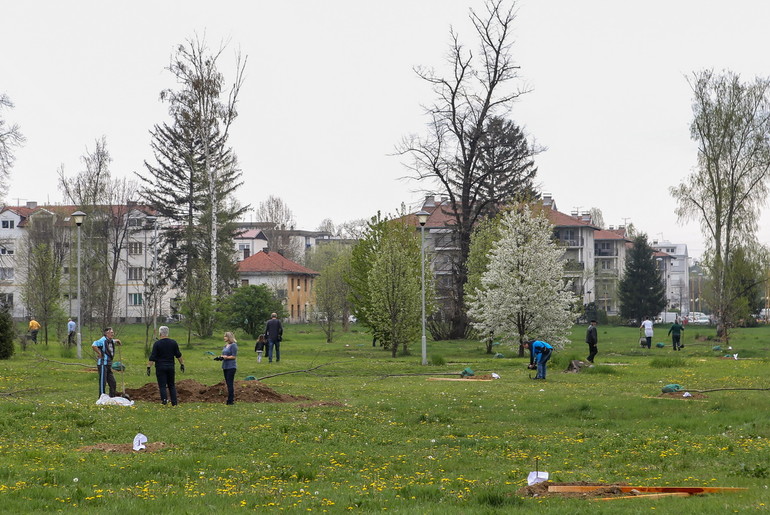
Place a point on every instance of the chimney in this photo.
(429, 201)
(31, 204)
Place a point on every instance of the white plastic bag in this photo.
(106, 400)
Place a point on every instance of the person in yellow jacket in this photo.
(34, 327)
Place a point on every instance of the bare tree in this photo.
(10, 139)
(457, 156)
(279, 220)
(108, 203)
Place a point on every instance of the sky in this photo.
(330, 91)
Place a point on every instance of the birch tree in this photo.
(728, 188)
(522, 293)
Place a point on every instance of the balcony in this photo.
(574, 266)
(605, 252)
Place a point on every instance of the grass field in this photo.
(386, 442)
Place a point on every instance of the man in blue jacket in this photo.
(539, 354)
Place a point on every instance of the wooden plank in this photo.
(644, 496)
(455, 379)
(646, 489)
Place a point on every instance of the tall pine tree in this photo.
(195, 174)
(641, 291)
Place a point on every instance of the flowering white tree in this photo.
(523, 294)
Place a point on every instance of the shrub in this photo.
(7, 333)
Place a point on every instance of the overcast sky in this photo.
(330, 90)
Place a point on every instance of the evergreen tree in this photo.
(7, 332)
(641, 290)
(195, 174)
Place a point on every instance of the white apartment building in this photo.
(135, 267)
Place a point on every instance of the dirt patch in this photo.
(680, 395)
(190, 390)
(541, 490)
(123, 448)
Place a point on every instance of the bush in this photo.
(7, 333)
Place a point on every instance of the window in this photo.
(6, 273)
(244, 282)
(7, 224)
(6, 299)
(135, 273)
(135, 247)
(134, 299)
(244, 249)
(6, 250)
(135, 222)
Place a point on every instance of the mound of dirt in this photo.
(541, 490)
(123, 448)
(190, 390)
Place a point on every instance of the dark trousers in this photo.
(273, 345)
(107, 379)
(675, 339)
(166, 376)
(71, 338)
(230, 382)
(593, 350)
(33, 336)
(649, 341)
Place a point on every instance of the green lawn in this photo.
(392, 443)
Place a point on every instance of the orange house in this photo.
(290, 281)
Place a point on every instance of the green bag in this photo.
(671, 388)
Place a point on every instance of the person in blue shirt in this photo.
(539, 354)
(71, 326)
(105, 353)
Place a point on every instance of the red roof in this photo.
(272, 263)
(608, 235)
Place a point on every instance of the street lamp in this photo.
(299, 306)
(422, 217)
(79, 216)
(154, 221)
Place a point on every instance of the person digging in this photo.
(539, 354)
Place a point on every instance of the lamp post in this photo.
(154, 221)
(79, 216)
(299, 306)
(422, 217)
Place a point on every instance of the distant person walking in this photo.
(676, 335)
(259, 347)
(592, 339)
(274, 335)
(539, 354)
(105, 352)
(229, 365)
(71, 326)
(34, 327)
(647, 326)
(163, 353)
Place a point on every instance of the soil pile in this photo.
(541, 490)
(190, 390)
